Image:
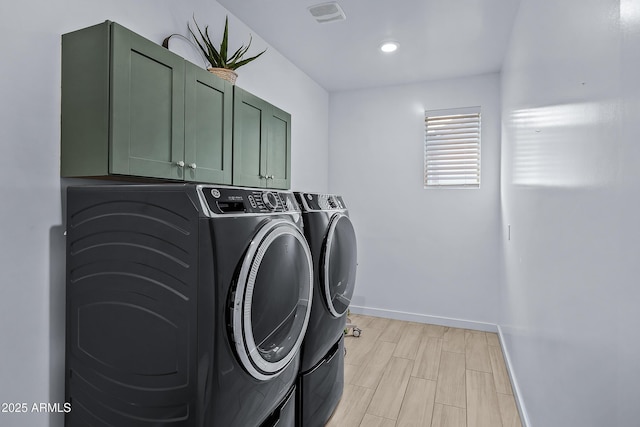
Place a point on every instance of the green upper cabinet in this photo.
(131, 107)
(261, 143)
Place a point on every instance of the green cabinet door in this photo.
(279, 151)
(261, 143)
(147, 107)
(208, 127)
(249, 139)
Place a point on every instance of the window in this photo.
(452, 148)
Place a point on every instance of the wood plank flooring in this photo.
(401, 374)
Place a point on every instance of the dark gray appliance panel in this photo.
(285, 414)
(321, 388)
(131, 318)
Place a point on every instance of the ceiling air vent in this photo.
(327, 12)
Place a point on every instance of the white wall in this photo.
(422, 252)
(32, 244)
(571, 193)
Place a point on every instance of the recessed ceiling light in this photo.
(389, 46)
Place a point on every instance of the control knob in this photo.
(270, 200)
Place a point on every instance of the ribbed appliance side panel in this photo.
(132, 261)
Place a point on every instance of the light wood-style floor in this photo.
(400, 374)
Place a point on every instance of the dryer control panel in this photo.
(238, 201)
(320, 202)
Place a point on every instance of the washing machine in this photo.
(186, 305)
(332, 240)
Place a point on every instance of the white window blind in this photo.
(452, 148)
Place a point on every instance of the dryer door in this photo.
(338, 264)
(272, 300)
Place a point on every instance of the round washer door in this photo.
(339, 264)
(272, 301)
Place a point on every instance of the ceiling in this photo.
(438, 38)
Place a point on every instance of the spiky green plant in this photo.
(218, 57)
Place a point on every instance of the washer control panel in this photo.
(320, 202)
(231, 200)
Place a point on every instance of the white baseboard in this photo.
(524, 418)
(424, 318)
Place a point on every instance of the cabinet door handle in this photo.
(180, 164)
(272, 176)
(192, 165)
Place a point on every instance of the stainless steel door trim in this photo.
(246, 347)
(333, 223)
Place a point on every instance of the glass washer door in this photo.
(272, 300)
(339, 263)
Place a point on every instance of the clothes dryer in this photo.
(332, 240)
(186, 305)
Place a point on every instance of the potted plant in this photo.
(222, 64)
